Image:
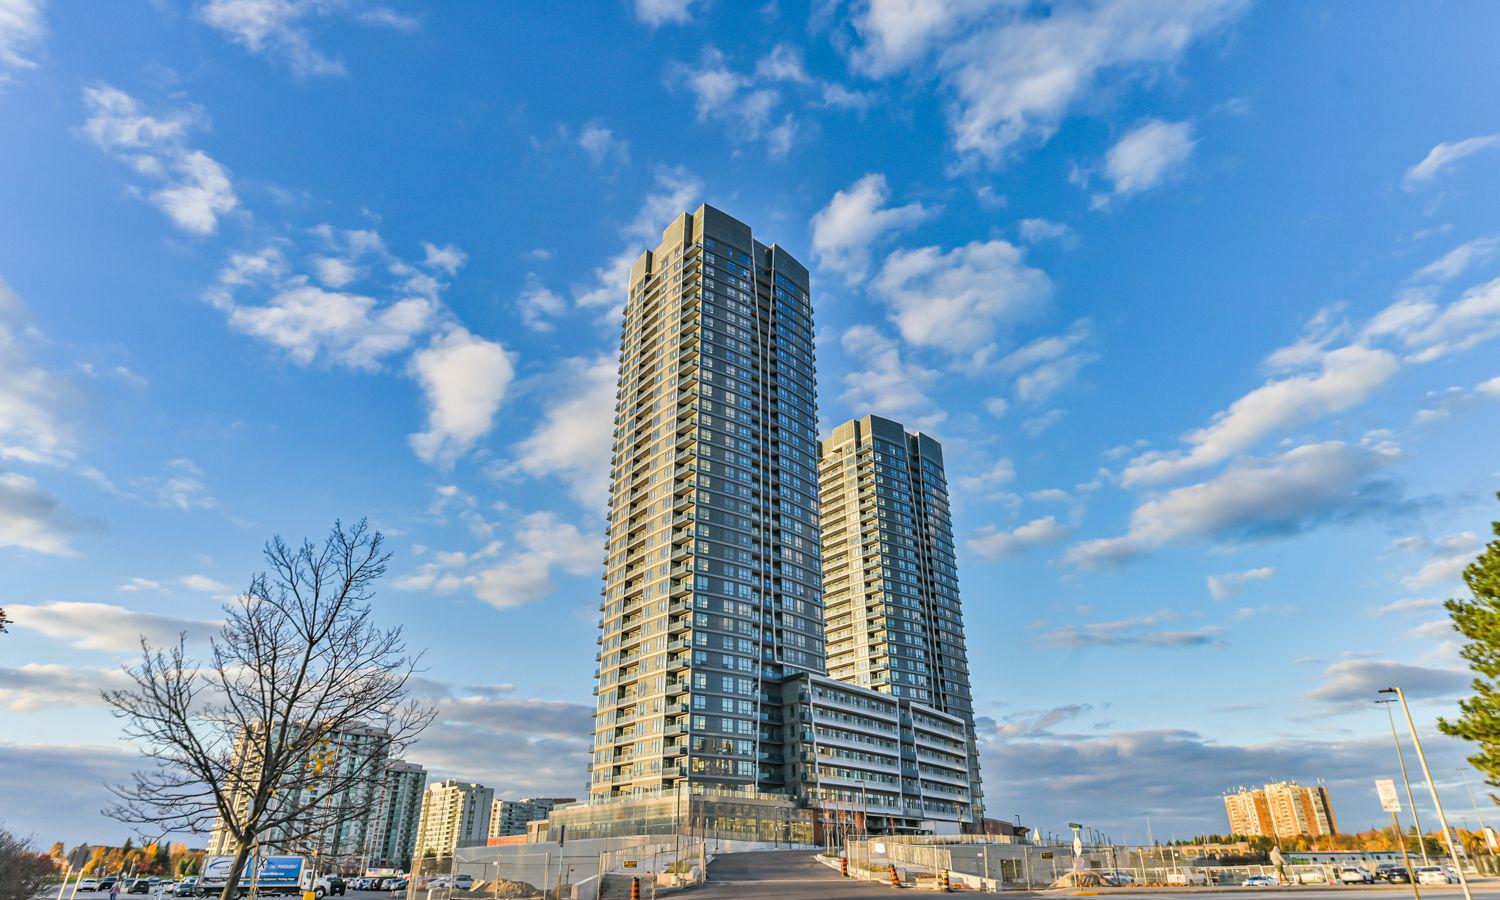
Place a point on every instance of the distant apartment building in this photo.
(1281, 810)
(454, 814)
(395, 836)
(892, 615)
(339, 828)
(509, 818)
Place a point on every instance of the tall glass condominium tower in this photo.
(712, 585)
(893, 617)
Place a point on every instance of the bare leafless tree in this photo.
(284, 731)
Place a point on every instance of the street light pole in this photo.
(1410, 800)
(1463, 880)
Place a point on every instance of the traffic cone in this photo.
(635, 889)
(895, 879)
(844, 866)
(943, 884)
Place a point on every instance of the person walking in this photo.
(114, 889)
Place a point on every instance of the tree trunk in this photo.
(232, 883)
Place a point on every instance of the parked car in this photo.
(88, 884)
(397, 886)
(1260, 881)
(139, 886)
(465, 882)
(1187, 877)
(329, 886)
(1115, 878)
(1435, 875)
(107, 882)
(187, 887)
(1310, 876)
(1355, 875)
(1392, 873)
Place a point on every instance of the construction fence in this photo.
(590, 869)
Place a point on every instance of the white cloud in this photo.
(574, 438)
(1048, 365)
(845, 231)
(1147, 155)
(539, 303)
(33, 687)
(601, 144)
(1133, 631)
(105, 626)
(882, 382)
(661, 12)
(1357, 680)
(464, 379)
(307, 321)
(544, 544)
(1447, 557)
(1348, 376)
(31, 518)
(1012, 74)
(21, 29)
(312, 324)
(1257, 499)
(1445, 155)
(746, 103)
(1036, 231)
(1430, 331)
(30, 430)
(204, 585)
(1458, 260)
(1038, 424)
(180, 487)
(1000, 472)
(958, 300)
(992, 543)
(1414, 604)
(676, 191)
(196, 190)
(282, 29)
(1222, 587)
(1489, 388)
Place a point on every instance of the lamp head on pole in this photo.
(1388, 690)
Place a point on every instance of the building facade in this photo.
(888, 764)
(394, 838)
(894, 622)
(1281, 810)
(454, 814)
(712, 587)
(339, 827)
(509, 818)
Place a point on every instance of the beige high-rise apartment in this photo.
(711, 587)
(454, 814)
(1284, 809)
(892, 612)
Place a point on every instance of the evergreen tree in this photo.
(1477, 618)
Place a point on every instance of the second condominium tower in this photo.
(712, 587)
(894, 622)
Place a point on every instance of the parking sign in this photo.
(1386, 788)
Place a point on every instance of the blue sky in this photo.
(1201, 298)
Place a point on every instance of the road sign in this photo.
(1386, 788)
(1046, 854)
(630, 864)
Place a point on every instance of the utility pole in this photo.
(1410, 800)
(1463, 880)
(1483, 829)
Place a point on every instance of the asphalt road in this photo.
(785, 874)
(796, 875)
